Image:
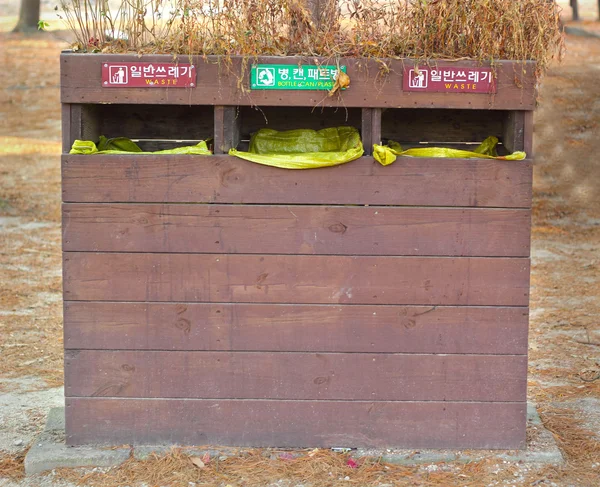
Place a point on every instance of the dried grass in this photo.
(442, 29)
(580, 447)
(12, 467)
(260, 468)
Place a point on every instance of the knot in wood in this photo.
(338, 228)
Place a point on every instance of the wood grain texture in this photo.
(227, 123)
(296, 423)
(296, 279)
(219, 85)
(366, 129)
(514, 133)
(295, 328)
(65, 117)
(258, 229)
(299, 375)
(226, 179)
(528, 134)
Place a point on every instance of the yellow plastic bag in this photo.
(386, 154)
(303, 148)
(123, 145)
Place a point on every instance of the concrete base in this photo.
(541, 448)
(50, 452)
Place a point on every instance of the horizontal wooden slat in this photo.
(218, 84)
(295, 375)
(258, 229)
(296, 279)
(226, 179)
(296, 423)
(296, 328)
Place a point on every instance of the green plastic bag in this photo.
(386, 154)
(303, 148)
(123, 145)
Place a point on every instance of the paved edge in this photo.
(49, 450)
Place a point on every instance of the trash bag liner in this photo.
(123, 145)
(303, 148)
(386, 154)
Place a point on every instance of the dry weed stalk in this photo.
(449, 29)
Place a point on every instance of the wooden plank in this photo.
(528, 134)
(296, 423)
(227, 124)
(297, 279)
(218, 84)
(76, 122)
(376, 126)
(84, 123)
(295, 328)
(257, 229)
(284, 375)
(514, 131)
(66, 127)
(226, 179)
(366, 131)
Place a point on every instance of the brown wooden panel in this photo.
(227, 122)
(296, 279)
(219, 85)
(514, 133)
(296, 230)
(296, 423)
(295, 375)
(66, 127)
(226, 179)
(295, 328)
(528, 134)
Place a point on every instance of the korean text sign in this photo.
(293, 77)
(148, 75)
(458, 79)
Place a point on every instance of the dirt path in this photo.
(565, 333)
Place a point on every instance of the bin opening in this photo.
(252, 119)
(448, 128)
(151, 127)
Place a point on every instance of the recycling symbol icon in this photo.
(265, 77)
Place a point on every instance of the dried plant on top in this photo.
(424, 29)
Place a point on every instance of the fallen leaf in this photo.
(312, 453)
(197, 461)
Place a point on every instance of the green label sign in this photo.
(293, 77)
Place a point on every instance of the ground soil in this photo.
(564, 380)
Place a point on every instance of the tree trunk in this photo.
(29, 16)
(575, 7)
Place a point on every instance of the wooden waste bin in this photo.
(212, 300)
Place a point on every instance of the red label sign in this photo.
(449, 80)
(148, 75)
